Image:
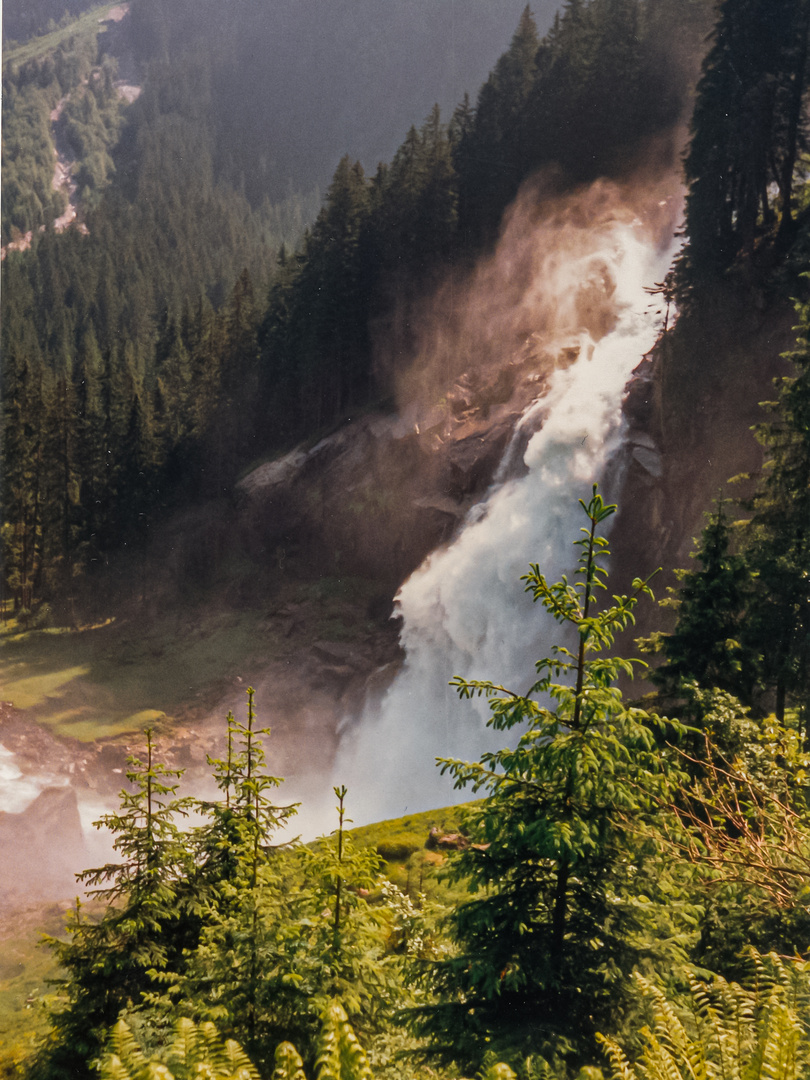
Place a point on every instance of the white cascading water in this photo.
(465, 611)
(575, 273)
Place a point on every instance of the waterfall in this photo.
(464, 610)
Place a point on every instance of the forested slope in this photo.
(106, 335)
(661, 844)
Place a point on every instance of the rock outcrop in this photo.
(689, 412)
(41, 847)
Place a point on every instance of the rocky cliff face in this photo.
(689, 412)
(376, 496)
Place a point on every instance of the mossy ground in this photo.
(112, 679)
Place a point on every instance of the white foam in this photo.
(465, 610)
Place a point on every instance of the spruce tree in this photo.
(121, 960)
(747, 129)
(238, 888)
(545, 945)
(713, 604)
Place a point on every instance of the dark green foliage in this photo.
(712, 603)
(744, 617)
(90, 124)
(582, 100)
(491, 156)
(777, 541)
(28, 195)
(543, 951)
(90, 120)
(118, 961)
(286, 935)
(747, 131)
(237, 886)
(23, 19)
(185, 367)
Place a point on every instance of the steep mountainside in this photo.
(690, 414)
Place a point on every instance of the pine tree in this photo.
(140, 940)
(713, 605)
(88, 374)
(23, 475)
(238, 887)
(544, 949)
(63, 522)
(494, 158)
(746, 130)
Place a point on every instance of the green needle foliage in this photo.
(142, 937)
(545, 945)
(239, 885)
(712, 607)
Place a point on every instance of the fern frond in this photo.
(776, 1051)
(123, 1059)
(622, 1069)
(498, 1071)
(112, 1068)
(157, 1071)
(740, 1034)
(340, 1055)
(288, 1063)
(236, 1065)
(184, 1048)
(670, 1038)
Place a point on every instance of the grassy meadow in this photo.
(87, 25)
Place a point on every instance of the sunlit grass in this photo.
(85, 25)
(119, 677)
(33, 690)
(25, 971)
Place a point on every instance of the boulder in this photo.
(42, 848)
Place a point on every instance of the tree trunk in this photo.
(794, 120)
(559, 918)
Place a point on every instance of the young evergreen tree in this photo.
(119, 961)
(545, 945)
(743, 621)
(238, 887)
(316, 938)
(713, 603)
(341, 948)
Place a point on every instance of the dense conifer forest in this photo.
(182, 283)
(628, 896)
